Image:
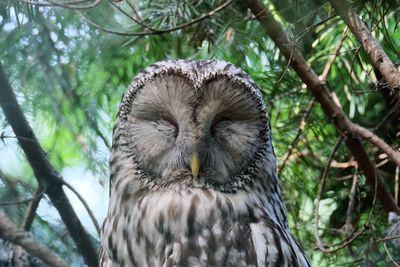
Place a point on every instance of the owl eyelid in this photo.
(170, 120)
(218, 120)
(173, 123)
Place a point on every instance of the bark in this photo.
(378, 56)
(19, 237)
(323, 95)
(44, 171)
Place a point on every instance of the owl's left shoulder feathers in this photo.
(274, 245)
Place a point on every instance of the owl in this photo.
(192, 172)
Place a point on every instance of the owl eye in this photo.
(173, 123)
(218, 121)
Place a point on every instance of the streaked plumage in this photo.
(177, 118)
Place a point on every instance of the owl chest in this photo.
(196, 230)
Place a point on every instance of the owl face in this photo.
(183, 128)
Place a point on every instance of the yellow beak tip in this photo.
(195, 165)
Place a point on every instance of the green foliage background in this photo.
(69, 77)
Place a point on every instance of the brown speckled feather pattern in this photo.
(240, 221)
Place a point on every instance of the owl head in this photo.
(193, 123)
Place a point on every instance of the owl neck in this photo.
(261, 193)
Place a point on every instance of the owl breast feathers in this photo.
(193, 179)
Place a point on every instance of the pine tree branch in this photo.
(20, 237)
(378, 56)
(44, 171)
(392, 153)
(323, 95)
(158, 31)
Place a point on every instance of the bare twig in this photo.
(45, 172)
(138, 21)
(387, 239)
(369, 43)
(349, 67)
(332, 57)
(288, 93)
(71, 5)
(84, 203)
(31, 212)
(3, 136)
(9, 232)
(343, 165)
(324, 96)
(312, 27)
(37, 195)
(287, 65)
(300, 131)
(134, 9)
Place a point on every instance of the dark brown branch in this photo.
(378, 56)
(44, 171)
(375, 140)
(323, 95)
(17, 236)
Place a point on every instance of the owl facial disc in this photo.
(203, 122)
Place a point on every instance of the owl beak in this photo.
(195, 165)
